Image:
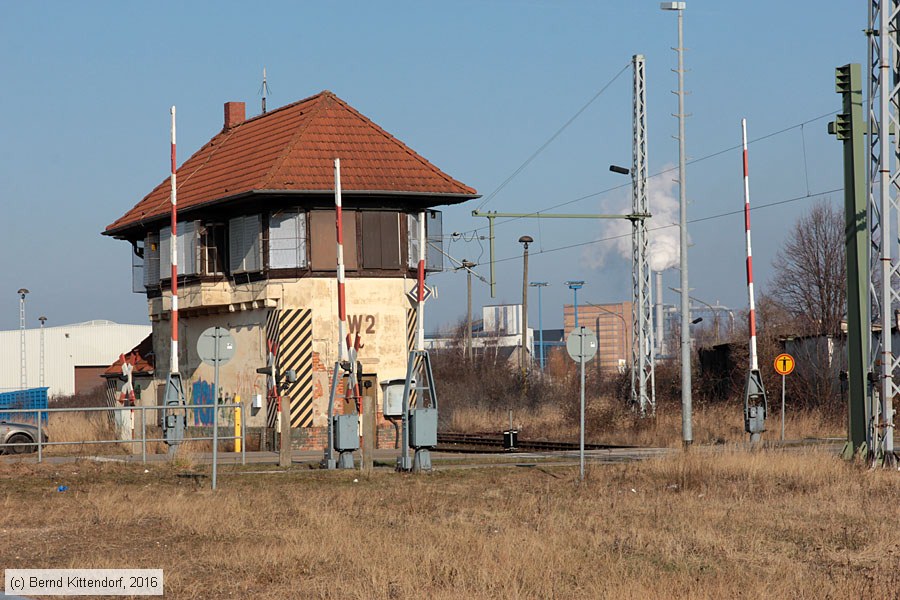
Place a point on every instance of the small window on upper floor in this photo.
(187, 249)
(151, 260)
(245, 244)
(434, 239)
(380, 239)
(323, 255)
(287, 239)
(211, 249)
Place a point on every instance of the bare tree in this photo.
(810, 271)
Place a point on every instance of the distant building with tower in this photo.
(256, 252)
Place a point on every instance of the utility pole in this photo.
(849, 127)
(23, 374)
(467, 265)
(686, 409)
(525, 240)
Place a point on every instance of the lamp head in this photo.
(526, 239)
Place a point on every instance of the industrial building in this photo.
(73, 357)
(256, 252)
(613, 324)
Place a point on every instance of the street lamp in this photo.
(525, 240)
(539, 285)
(687, 434)
(23, 379)
(575, 286)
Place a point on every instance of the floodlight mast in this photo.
(686, 402)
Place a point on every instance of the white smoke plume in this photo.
(662, 227)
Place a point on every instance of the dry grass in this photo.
(607, 421)
(707, 525)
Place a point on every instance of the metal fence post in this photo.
(243, 436)
(40, 435)
(144, 434)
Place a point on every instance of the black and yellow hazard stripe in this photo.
(271, 349)
(411, 331)
(295, 353)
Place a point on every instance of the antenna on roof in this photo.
(264, 89)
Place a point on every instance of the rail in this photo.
(453, 442)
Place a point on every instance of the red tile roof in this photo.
(293, 148)
(141, 356)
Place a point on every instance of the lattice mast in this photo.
(882, 186)
(642, 393)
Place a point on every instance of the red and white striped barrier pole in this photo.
(420, 304)
(173, 363)
(342, 306)
(754, 362)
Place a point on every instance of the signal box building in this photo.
(257, 253)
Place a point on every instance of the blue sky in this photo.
(474, 86)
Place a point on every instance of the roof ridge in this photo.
(412, 153)
(286, 151)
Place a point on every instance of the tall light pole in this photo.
(539, 285)
(467, 265)
(23, 376)
(43, 320)
(686, 432)
(575, 286)
(525, 240)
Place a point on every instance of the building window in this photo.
(287, 240)
(187, 250)
(244, 241)
(380, 239)
(323, 255)
(151, 260)
(211, 253)
(434, 238)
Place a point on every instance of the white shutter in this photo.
(301, 240)
(253, 241)
(434, 236)
(187, 248)
(413, 221)
(236, 245)
(287, 240)
(165, 253)
(151, 260)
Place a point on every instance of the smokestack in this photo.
(235, 114)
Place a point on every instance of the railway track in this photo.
(464, 442)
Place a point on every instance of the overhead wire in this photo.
(659, 173)
(559, 131)
(695, 220)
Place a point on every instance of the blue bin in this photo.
(33, 398)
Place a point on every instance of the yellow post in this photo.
(237, 425)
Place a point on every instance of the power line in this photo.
(696, 220)
(543, 146)
(663, 172)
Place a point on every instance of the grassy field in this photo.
(609, 422)
(712, 524)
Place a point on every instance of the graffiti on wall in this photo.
(203, 394)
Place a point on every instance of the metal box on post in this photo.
(423, 428)
(392, 396)
(346, 432)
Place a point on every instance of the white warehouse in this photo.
(74, 355)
